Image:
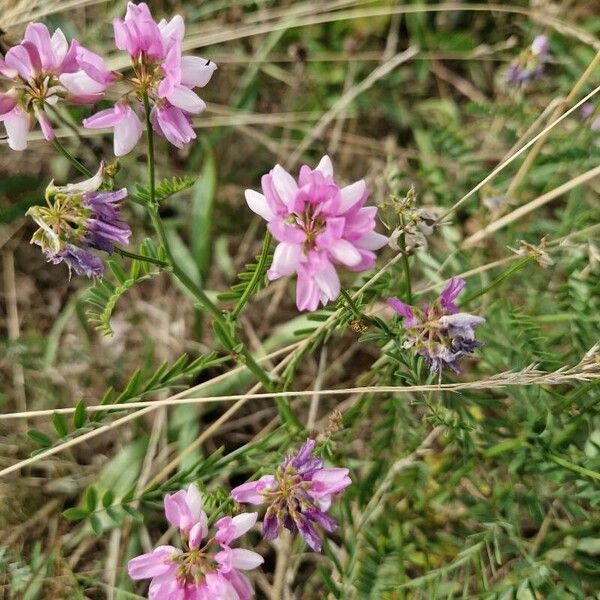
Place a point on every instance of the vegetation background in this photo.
(489, 489)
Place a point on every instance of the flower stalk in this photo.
(204, 301)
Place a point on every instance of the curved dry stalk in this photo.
(530, 206)
(586, 370)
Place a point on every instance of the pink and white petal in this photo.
(257, 203)
(94, 65)
(307, 293)
(285, 260)
(172, 123)
(173, 508)
(186, 99)
(372, 241)
(329, 481)
(353, 195)
(165, 587)
(196, 71)
(39, 36)
(194, 501)
(251, 492)
(217, 587)
(344, 252)
(153, 564)
(198, 532)
(334, 230)
(7, 103)
(60, 46)
(81, 84)
(285, 185)
(104, 118)
(17, 128)
(173, 29)
(69, 62)
(325, 166)
(127, 133)
(367, 262)
(243, 523)
(19, 59)
(286, 232)
(246, 559)
(6, 70)
(242, 586)
(359, 223)
(225, 559)
(45, 125)
(328, 281)
(121, 34)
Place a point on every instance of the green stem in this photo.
(79, 166)
(573, 467)
(405, 265)
(256, 277)
(205, 302)
(140, 257)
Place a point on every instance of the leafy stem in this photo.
(258, 275)
(204, 301)
(140, 257)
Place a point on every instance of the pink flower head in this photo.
(318, 226)
(298, 495)
(204, 570)
(41, 71)
(161, 73)
(437, 331)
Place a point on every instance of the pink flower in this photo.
(43, 70)
(161, 73)
(127, 126)
(298, 495)
(205, 570)
(318, 226)
(437, 331)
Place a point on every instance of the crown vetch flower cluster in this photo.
(41, 71)
(298, 495)
(318, 226)
(161, 73)
(206, 569)
(79, 217)
(438, 331)
(530, 64)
